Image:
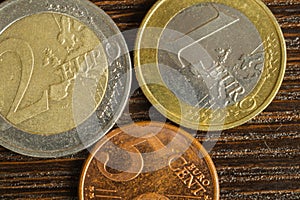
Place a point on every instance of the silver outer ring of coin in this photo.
(116, 95)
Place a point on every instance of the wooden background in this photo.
(259, 160)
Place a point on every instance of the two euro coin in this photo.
(65, 76)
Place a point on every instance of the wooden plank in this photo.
(258, 160)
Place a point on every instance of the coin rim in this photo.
(206, 156)
(177, 118)
(95, 27)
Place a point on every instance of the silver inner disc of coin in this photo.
(211, 56)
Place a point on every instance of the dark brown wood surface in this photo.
(258, 160)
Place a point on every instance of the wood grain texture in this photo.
(258, 160)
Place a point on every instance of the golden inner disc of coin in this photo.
(53, 72)
(210, 65)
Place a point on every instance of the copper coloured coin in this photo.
(149, 160)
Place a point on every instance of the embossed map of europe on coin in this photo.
(65, 76)
(218, 53)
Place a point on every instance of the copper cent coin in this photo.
(149, 160)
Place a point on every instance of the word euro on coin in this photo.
(65, 76)
(210, 65)
(149, 160)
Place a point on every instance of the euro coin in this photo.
(65, 76)
(210, 65)
(149, 160)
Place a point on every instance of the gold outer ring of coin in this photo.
(138, 134)
(204, 119)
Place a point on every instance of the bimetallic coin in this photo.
(210, 65)
(65, 74)
(149, 160)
